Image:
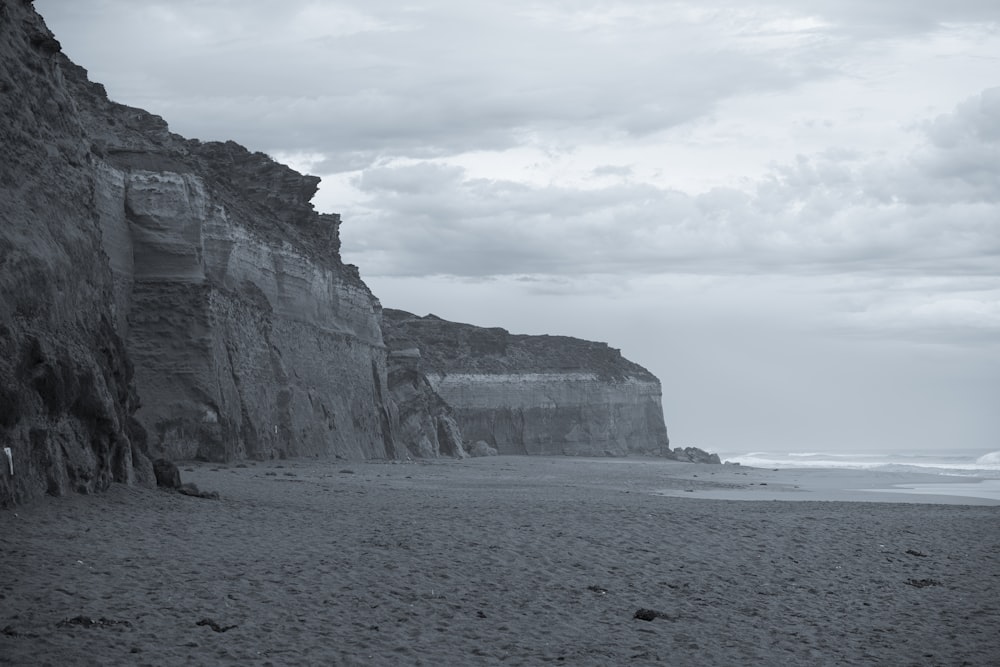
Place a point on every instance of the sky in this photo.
(789, 212)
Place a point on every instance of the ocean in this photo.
(981, 467)
(974, 463)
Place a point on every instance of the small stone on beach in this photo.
(923, 583)
(647, 614)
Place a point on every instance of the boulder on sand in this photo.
(167, 474)
(482, 448)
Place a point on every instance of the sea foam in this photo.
(991, 459)
(958, 462)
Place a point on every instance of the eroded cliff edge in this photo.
(202, 266)
(538, 395)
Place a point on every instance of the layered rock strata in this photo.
(539, 395)
(250, 337)
(202, 266)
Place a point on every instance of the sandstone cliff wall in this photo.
(244, 346)
(540, 395)
(249, 336)
(202, 266)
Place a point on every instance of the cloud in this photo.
(962, 160)
(932, 212)
(372, 80)
(365, 82)
(901, 247)
(887, 19)
(612, 170)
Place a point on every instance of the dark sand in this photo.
(506, 560)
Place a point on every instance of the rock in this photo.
(652, 614)
(425, 424)
(693, 455)
(534, 394)
(482, 448)
(167, 474)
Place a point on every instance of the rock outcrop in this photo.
(535, 394)
(693, 455)
(425, 422)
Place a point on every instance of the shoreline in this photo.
(501, 560)
(853, 485)
(734, 482)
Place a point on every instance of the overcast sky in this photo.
(790, 213)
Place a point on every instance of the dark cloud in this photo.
(881, 19)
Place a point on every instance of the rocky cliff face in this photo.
(425, 422)
(203, 266)
(535, 394)
(249, 336)
(66, 390)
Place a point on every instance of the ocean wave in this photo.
(765, 460)
(991, 459)
(943, 463)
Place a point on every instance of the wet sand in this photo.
(507, 560)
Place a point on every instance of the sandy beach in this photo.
(504, 560)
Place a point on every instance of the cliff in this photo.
(202, 266)
(165, 297)
(539, 395)
(66, 382)
(425, 421)
(249, 336)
